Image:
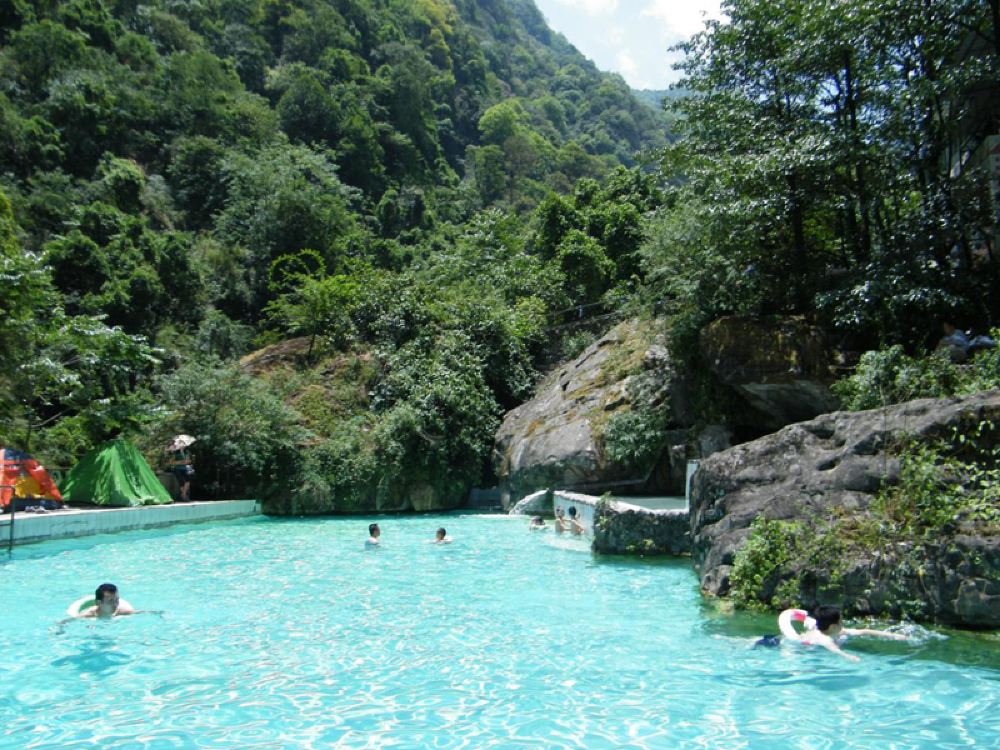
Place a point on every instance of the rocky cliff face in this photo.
(826, 473)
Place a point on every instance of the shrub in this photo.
(890, 376)
(248, 439)
(942, 485)
(635, 437)
(761, 561)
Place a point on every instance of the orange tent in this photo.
(21, 476)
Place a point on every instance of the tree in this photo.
(308, 113)
(53, 365)
(284, 200)
(824, 142)
(316, 307)
(588, 270)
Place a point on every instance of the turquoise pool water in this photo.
(289, 634)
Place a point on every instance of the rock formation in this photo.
(831, 468)
(555, 440)
(760, 375)
(780, 366)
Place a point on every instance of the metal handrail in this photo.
(10, 523)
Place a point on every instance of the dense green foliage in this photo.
(944, 486)
(831, 157)
(890, 376)
(358, 172)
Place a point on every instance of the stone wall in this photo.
(624, 529)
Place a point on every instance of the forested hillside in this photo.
(185, 182)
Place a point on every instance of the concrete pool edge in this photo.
(30, 528)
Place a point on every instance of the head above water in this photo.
(441, 533)
(826, 616)
(572, 511)
(105, 588)
(374, 530)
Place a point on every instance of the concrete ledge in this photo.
(75, 522)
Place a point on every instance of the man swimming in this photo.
(561, 523)
(374, 532)
(575, 526)
(107, 603)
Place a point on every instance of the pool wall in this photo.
(76, 522)
(585, 506)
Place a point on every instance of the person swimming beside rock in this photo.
(824, 629)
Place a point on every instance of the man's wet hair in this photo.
(572, 511)
(825, 616)
(442, 532)
(105, 588)
(372, 527)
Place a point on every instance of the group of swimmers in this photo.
(564, 522)
(375, 535)
(822, 628)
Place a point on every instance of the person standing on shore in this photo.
(181, 464)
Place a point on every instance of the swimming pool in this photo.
(289, 634)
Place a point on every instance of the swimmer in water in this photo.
(107, 603)
(575, 526)
(441, 537)
(561, 523)
(831, 634)
(374, 532)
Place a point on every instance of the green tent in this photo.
(114, 474)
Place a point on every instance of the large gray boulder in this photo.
(780, 366)
(829, 469)
(555, 440)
